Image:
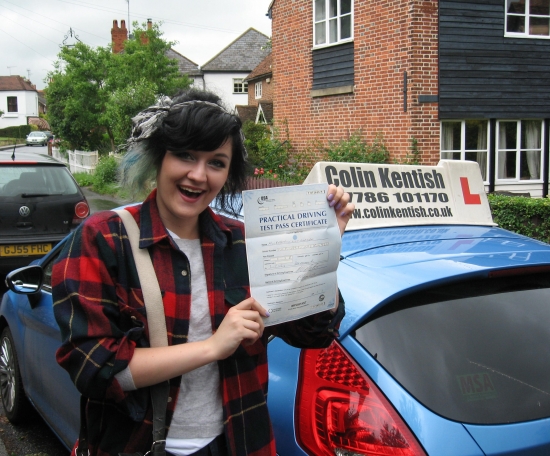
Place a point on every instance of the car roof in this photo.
(380, 265)
(29, 158)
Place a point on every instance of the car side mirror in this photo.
(27, 280)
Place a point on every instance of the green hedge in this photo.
(20, 131)
(527, 216)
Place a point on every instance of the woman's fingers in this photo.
(252, 304)
(340, 201)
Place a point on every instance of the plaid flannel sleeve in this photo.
(96, 341)
(315, 331)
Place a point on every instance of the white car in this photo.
(37, 137)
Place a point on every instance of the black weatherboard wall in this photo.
(482, 74)
(333, 66)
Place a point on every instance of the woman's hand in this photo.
(243, 323)
(339, 200)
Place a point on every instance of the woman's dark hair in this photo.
(197, 121)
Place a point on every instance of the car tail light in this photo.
(341, 412)
(81, 211)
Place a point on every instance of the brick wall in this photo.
(267, 91)
(390, 37)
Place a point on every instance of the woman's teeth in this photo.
(190, 193)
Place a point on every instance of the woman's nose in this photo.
(198, 171)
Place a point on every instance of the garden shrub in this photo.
(20, 131)
(84, 179)
(105, 174)
(356, 150)
(271, 155)
(527, 216)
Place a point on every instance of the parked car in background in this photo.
(443, 349)
(40, 203)
(37, 138)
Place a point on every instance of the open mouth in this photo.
(190, 193)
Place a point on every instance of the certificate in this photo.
(293, 250)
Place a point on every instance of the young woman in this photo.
(216, 359)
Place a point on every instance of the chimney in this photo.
(143, 36)
(118, 36)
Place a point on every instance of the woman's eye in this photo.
(218, 163)
(184, 155)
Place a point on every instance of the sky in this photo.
(32, 31)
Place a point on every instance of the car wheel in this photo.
(16, 405)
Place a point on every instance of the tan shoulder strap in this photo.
(152, 296)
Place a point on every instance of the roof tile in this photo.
(15, 83)
(243, 54)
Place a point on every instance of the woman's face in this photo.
(187, 182)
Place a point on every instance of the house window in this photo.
(12, 104)
(258, 90)
(466, 140)
(519, 151)
(332, 21)
(240, 86)
(528, 17)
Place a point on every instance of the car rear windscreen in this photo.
(476, 351)
(32, 179)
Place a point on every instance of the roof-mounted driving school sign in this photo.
(395, 195)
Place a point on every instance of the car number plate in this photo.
(24, 249)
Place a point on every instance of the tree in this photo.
(94, 93)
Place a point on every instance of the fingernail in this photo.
(343, 214)
(332, 203)
(267, 314)
(338, 207)
(330, 197)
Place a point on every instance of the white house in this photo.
(18, 101)
(225, 73)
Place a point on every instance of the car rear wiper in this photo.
(30, 195)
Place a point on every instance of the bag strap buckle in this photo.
(158, 448)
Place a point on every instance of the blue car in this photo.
(443, 350)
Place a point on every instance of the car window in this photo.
(47, 285)
(52, 180)
(474, 351)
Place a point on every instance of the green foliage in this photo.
(527, 216)
(271, 155)
(84, 179)
(413, 157)
(125, 102)
(20, 131)
(355, 150)
(105, 174)
(254, 134)
(94, 92)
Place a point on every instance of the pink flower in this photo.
(256, 171)
(275, 176)
(280, 166)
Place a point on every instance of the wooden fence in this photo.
(79, 161)
(254, 183)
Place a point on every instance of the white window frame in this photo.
(463, 151)
(527, 18)
(258, 90)
(326, 20)
(518, 150)
(8, 104)
(240, 86)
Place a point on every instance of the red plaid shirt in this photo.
(98, 304)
